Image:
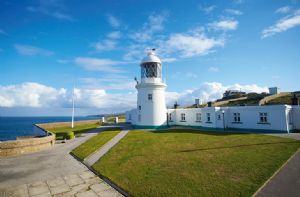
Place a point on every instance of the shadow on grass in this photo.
(195, 131)
(237, 146)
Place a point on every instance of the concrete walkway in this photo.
(90, 160)
(287, 181)
(39, 168)
(295, 136)
(83, 184)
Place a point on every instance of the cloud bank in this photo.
(35, 95)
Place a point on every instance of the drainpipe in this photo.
(223, 117)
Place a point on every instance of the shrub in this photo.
(65, 135)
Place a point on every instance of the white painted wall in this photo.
(250, 117)
(296, 117)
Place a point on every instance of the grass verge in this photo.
(93, 144)
(193, 163)
(67, 132)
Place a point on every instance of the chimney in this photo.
(295, 100)
(197, 102)
(209, 104)
(176, 105)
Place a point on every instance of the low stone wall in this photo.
(26, 145)
(67, 124)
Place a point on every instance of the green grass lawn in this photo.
(193, 163)
(94, 144)
(62, 132)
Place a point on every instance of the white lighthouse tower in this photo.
(151, 105)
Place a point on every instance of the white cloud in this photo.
(54, 9)
(32, 50)
(233, 12)
(40, 96)
(192, 44)
(105, 45)
(225, 25)
(105, 65)
(169, 59)
(283, 10)
(213, 69)
(36, 95)
(113, 21)
(29, 95)
(109, 82)
(154, 24)
(114, 35)
(282, 25)
(207, 9)
(209, 91)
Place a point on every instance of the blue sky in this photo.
(206, 46)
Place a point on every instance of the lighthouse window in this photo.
(151, 70)
(182, 117)
(150, 97)
(140, 107)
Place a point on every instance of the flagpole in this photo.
(73, 110)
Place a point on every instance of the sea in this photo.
(11, 127)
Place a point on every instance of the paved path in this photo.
(295, 136)
(287, 181)
(83, 184)
(21, 173)
(90, 160)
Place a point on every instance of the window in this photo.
(170, 117)
(140, 118)
(198, 117)
(208, 117)
(150, 97)
(129, 118)
(182, 117)
(151, 70)
(263, 117)
(236, 117)
(290, 117)
(140, 107)
(219, 117)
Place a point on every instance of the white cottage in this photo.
(151, 111)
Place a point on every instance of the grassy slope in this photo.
(93, 144)
(78, 130)
(283, 100)
(189, 163)
(249, 101)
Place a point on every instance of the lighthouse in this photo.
(151, 104)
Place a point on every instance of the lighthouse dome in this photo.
(151, 57)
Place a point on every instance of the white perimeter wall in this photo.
(278, 119)
(250, 119)
(296, 117)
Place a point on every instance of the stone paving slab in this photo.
(85, 184)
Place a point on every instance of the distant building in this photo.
(233, 94)
(273, 90)
(151, 111)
